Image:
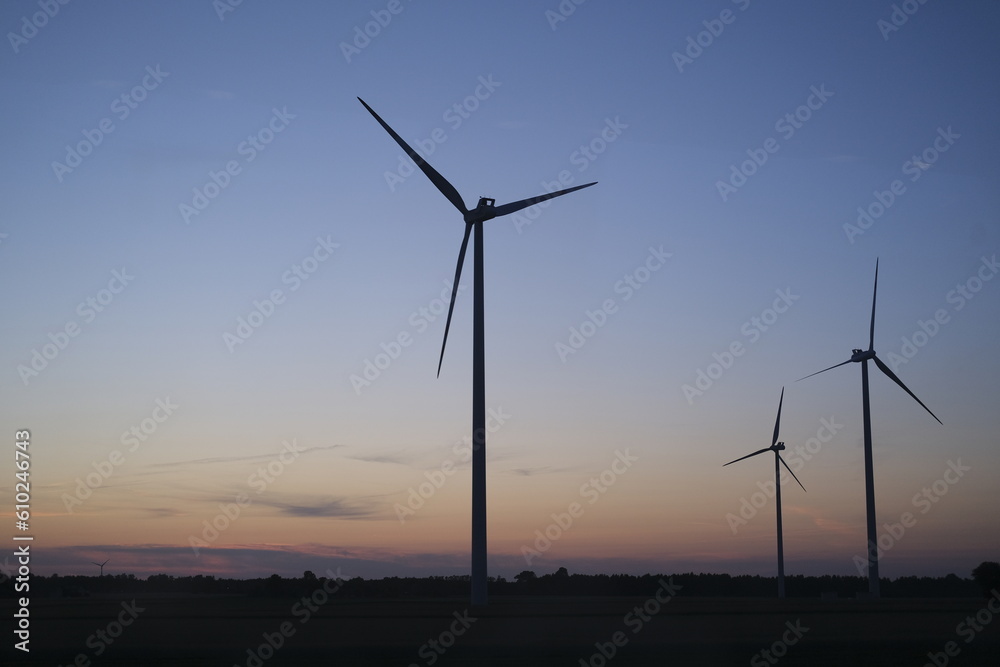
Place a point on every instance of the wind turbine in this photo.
(862, 356)
(776, 447)
(101, 565)
(474, 219)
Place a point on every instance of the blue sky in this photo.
(835, 107)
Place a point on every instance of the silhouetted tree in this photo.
(274, 585)
(987, 575)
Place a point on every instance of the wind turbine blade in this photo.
(892, 376)
(525, 203)
(439, 181)
(871, 337)
(761, 451)
(825, 370)
(790, 470)
(778, 420)
(454, 292)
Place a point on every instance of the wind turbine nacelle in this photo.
(484, 211)
(779, 446)
(862, 355)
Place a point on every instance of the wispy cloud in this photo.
(541, 470)
(322, 506)
(823, 522)
(397, 458)
(163, 512)
(232, 459)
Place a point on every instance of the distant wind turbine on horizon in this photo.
(101, 565)
(776, 447)
(474, 219)
(862, 357)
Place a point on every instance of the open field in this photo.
(197, 631)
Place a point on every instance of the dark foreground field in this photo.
(196, 631)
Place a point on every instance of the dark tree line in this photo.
(985, 579)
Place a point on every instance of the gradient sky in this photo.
(678, 128)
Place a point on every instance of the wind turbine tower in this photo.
(485, 210)
(101, 565)
(862, 357)
(776, 447)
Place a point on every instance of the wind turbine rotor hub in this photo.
(485, 210)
